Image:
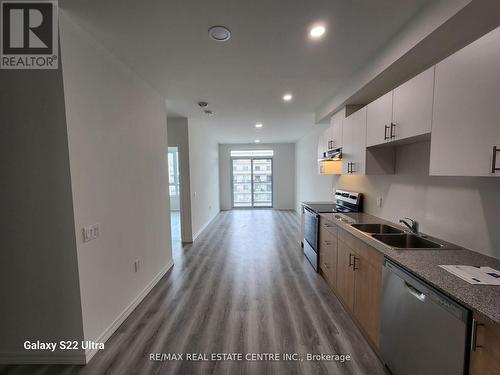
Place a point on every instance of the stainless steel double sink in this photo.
(396, 238)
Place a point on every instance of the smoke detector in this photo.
(219, 33)
(208, 112)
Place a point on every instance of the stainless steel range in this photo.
(345, 202)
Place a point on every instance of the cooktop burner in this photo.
(345, 201)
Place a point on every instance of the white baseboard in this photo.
(89, 353)
(80, 357)
(195, 235)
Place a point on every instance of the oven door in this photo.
(311, 230)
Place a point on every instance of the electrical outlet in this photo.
(137, 265)
(379, 202)
(90, 232)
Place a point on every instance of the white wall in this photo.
(39, 290)
(310, 185)
(117, 136)
(283, 173)
(178, 135)
(462, 210)
(204, 174)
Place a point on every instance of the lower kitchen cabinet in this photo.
(345, 275)
(359, 282)
(485, 354)
(368, 297)
(328, 256)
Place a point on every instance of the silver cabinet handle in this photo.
(351, 261)
(386, 127)
(393, 127)
(473, 339)
(354, 268)
(494, 160)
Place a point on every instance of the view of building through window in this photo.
(252, 181)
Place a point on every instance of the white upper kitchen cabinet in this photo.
(323, 143)
(336, 128)
(412, 107)
(466, 116)
(378, 120)
(354, 143)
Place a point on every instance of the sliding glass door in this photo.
(252, 182)
(262, 189)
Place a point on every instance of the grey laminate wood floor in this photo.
(243, 286)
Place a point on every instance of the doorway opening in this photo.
(175, 197)
(252, 178)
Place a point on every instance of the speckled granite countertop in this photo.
(483, 299)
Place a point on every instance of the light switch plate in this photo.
(90, 232)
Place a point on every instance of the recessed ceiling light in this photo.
(258, 125)
(287, 97)
(257, 141)
(219, 33)
(317, 31)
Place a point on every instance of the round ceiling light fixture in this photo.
(219, 33)
(257, 141)
(287, 97)
(317, 31)
(208, 112)
(202, 104)
(258, 125)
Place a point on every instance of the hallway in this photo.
(175, 227)
(243, 286)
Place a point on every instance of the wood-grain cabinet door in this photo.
(485, 356)
(466, 115)
(345, 274)
(328, 256)
(367, 297)
(325, 250)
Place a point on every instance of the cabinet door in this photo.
(336, 126)
(354, 143)
(367, 296)
(345, 274)
(412, 107)
(378, 120)
(466, 117)
(484, 358)
(328, 257)
(321, 144)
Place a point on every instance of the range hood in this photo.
(332, 154)
(331, 163)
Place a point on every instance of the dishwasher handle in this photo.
(415, 292)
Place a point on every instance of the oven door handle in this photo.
(311, 212)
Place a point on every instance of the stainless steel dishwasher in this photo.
(422, 330)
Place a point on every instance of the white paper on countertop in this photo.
(475, 275)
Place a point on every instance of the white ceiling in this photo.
(166, 43)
